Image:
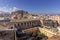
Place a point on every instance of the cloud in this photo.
(14, 9)
(5, 9)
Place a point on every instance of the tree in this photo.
(40, 36)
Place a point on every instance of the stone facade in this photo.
(7, 35)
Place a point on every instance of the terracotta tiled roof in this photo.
(56, 37)
(51, 39)
(58, 34)
(58, 26)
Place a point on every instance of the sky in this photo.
(32, 6)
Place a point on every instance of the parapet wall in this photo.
(47, 32)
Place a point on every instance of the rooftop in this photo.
(23, 20)
(56, 37)
(3, 28)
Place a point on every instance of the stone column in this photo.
(15, 36)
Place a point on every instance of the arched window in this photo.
(18, 24)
